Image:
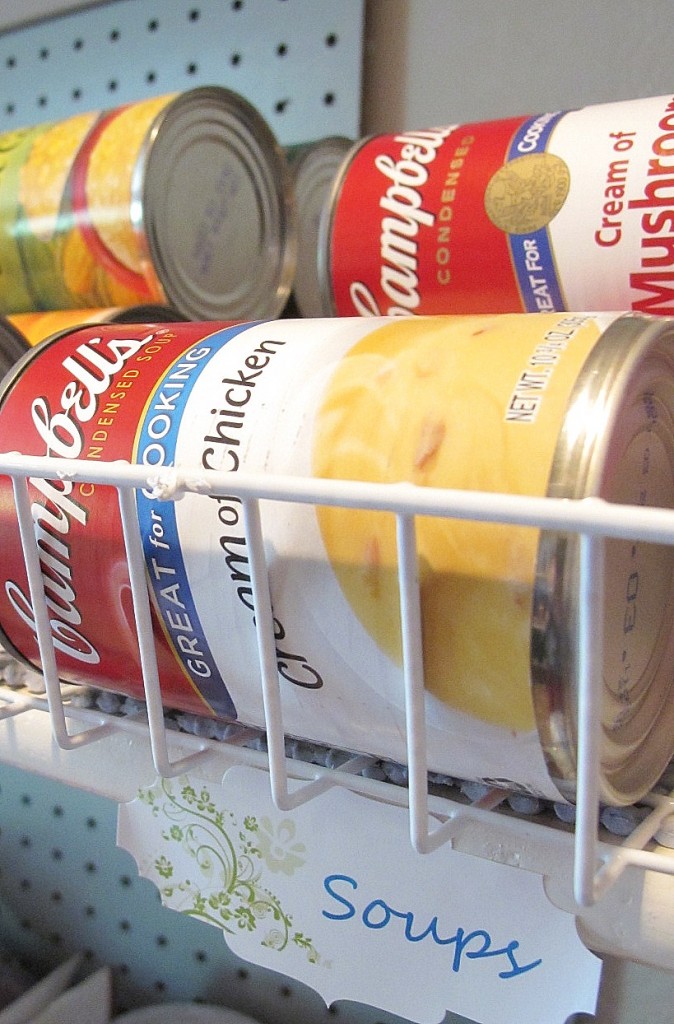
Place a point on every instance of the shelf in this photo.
(633, 919)
(624, 908)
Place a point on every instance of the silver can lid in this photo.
(617, 444)
(325, 229)
(214, 210)
(314, 166)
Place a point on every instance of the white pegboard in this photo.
(298, 61)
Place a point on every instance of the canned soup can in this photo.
(560, 404)
(102, 209)
(36, 327)
(314, 166)
(563, 210)
(13, 344)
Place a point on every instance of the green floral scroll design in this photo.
(229, 857)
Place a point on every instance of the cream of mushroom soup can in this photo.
(564, 210)
(563, 404)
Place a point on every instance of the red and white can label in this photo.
(561, 211)
(473, 402)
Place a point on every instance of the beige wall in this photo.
(430, 62)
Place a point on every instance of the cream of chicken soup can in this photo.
(562, 404)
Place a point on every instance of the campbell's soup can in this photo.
(183, 200)
(35, 327)
(551, 404)
(314, 166)
(560, 211)
(13, 344)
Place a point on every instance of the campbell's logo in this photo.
(404, 216)
(92, 368)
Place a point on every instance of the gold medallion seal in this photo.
(526, 193)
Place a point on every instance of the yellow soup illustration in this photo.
(464, 402)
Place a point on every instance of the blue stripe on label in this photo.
(533, 135)
(156, 446)
(532, 253)
(536, 274)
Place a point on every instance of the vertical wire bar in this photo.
(264, 626)
(590, 670)
(43, 633)
(413, 678)
(45, 642)
(283, 799)
(148, 655)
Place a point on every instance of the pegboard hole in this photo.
(194, 14)
(331, 39)
(235, 59)
(78, 44)
(152, 25)
(114, 35)
(192, 68)
(44, 53)
(282, 50)
(11, 62)
(329, 99)
(281, 106)
(237, 5)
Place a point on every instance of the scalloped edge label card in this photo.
(333, 895)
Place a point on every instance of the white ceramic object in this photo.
(183, 1013)
(24, 1009)
(90, 1002)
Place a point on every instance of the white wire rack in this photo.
(597, 865)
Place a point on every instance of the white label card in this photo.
(333, 895)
